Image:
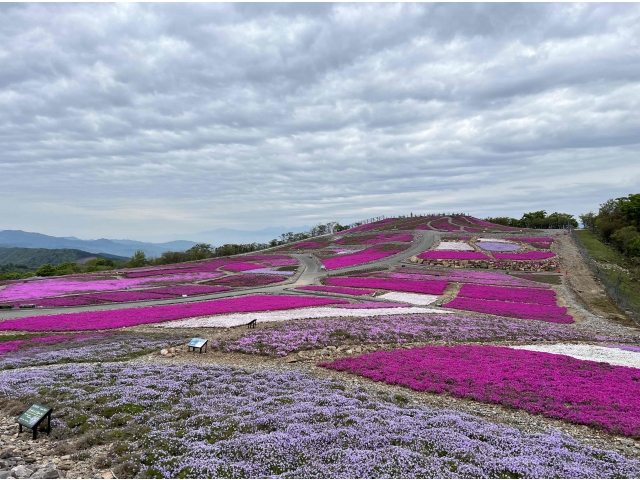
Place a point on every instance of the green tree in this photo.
(139, 259)
(630, 208)
(588, 219)
(46, 270)
(200, 251)
(623, 238)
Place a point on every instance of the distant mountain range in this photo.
(123, 248)
(220, 236)
(36, 257)
(126, 248)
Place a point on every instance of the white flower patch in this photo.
(237, 319)
(498, 240)
(456, 246)
(412, 298)
(612, 356)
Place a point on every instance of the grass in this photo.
(291, 268)
(598, 250)
(601, 252)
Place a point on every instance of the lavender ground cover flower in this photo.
(341, 290)
(558, 386)
(43, 288)
(524, 256)
(290, 425)
(498, 246)
(393, 304)
(365, 256)
(452, 255)
(87, 348)
(625, 347)
(110, 319)
(435, 287)
(248, 280)
(506, 294)
(283, 338)
(545, 313)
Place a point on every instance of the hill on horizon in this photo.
(121, 248)
(36, 257)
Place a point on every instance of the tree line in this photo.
(538, 219)
(617, 223)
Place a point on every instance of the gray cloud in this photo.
(145, 120)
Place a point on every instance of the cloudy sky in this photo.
(147, 121)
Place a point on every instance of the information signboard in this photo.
(34, 416)
(199, 343)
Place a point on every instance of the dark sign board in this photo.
(34, 416)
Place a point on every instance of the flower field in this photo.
(284, 338)
(454, 246)
(531, 311)
(41, 288)
(524, 256)
(625, 356)
(498, 246)
(248, 280)
(435, 287)
(461, 276)
(349, 310)
(365, 256)
(101, 347)
(255, 403)
(110, 319)
(340, 290)
(290, 425)
(505, 294)
(449, 255)
(558, 386)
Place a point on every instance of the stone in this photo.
(172, 350)
(48, 470)
(107, 475)
(349, 352)
(290, 359)
(6, 453)
(65, 457)
(164, 351)
(331, 347)
(21, 472)
(358, 349)
(65, 466)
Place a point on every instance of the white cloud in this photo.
(244, 116)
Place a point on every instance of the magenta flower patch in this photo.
(341, 290)
(518, 295)
(452, 255)
(400, 285)
(557, 386)
(365, 256)
(110, 319)
(545, 313)
(524, 256)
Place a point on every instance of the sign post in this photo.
(33, 417)
(198, 343)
